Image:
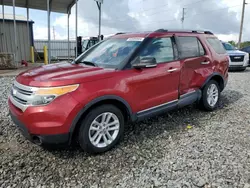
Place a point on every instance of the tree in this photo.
(245, 44)
(232, 42)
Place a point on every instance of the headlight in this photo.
(44, 96)
(247, 56)
(42, 100)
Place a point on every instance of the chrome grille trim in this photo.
(23, 91)
(20, 100)
(18, 105)
(22, 95)
(24, 87)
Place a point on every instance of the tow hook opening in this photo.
(37, 140)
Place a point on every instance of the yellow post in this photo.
(32, 54)
(45, 52)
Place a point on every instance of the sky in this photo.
(222, 17)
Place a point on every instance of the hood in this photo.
(63, 73)
(235, 52)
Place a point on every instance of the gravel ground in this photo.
(160, 152)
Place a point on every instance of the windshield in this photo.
(228, 46)
(110, 53)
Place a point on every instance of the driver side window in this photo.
(159, 48)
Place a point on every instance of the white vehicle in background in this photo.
(239, 60)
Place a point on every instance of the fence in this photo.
(59, 48)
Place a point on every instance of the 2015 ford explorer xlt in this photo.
(127, 77)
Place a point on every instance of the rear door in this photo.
(195, 63)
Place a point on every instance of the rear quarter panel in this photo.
(220, 61)
(194, 74)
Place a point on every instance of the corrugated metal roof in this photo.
(60, 6)
(11, 17)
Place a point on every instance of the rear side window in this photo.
(216, 45)
(159, 48)
(201, 48)
(190, 47)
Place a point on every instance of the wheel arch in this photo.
(218, 78)
(108, 99)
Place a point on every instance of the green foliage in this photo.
(245, 44)
(232, 42)
(242, 45)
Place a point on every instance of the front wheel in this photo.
(210, 96)
(101, 129)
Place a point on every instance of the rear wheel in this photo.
(210, 96)
(101, 129)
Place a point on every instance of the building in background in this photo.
(25, 38)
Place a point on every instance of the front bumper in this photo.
(234, 67)
(49, 124)
(239, 65)
(40, 139)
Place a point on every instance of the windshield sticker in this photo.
(135, 39)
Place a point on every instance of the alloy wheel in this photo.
(104, 129)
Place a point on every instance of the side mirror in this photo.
(145, 62)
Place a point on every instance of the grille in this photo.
(22, 95)
(22, 91)
(237, 58)
(20, 100)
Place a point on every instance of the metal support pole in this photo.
(15, 34)
(49, 46)
(183, 18)
(76, 24)
(242, 22)
(28, 27)
(29, 38)
(68, 38)
(99, 5)
(3, 28)
(100, 20)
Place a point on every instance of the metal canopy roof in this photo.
(59, 6)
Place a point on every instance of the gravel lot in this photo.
(159, 152)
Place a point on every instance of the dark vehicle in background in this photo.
(247, 50)
(239, 60)
(88, 43)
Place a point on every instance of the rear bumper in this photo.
(40, 139)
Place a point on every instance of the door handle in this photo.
(205, 62)
(172, 70)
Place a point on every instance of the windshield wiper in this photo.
(88, 63)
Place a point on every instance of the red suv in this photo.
(127, 77)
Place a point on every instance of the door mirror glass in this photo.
(145, 62)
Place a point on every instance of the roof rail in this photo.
(208, 32)
(120, 33)
(188, 31)
(161, 30)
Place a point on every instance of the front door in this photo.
(156, 86)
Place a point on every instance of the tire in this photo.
(93, 124)
(204, 102)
